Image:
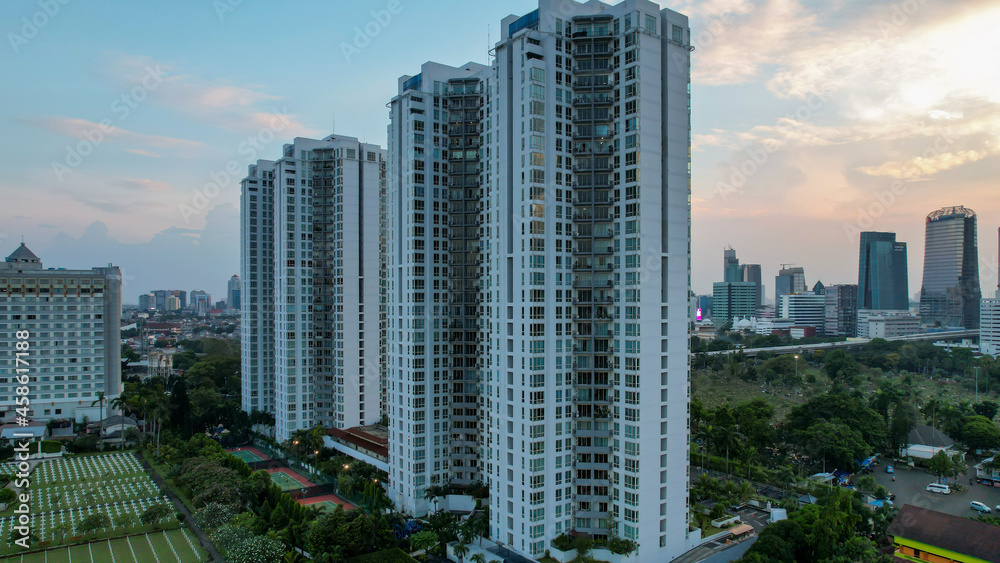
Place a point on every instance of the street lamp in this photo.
(977, 383)
(796, 377)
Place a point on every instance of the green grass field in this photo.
(285, 482)
(170, 546)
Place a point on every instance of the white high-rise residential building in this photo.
(538, 277)
(257, 279)
(73, 324)
(989, 327)
(313, 284)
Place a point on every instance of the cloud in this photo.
(219, 103)
(922, 167)
(85, 129)
(143, 184)
(206, 258)
(735, 40)
(143, 152)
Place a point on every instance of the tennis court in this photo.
(246, 455)
(285, 481)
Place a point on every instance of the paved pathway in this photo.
(206, 542)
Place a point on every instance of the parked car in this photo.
(979, 507)
(938, 488)
(889, 469)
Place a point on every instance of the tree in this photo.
(980, 433)
(93, 522)
(154, 513)
(461, 550)
(833, 441)
(60, 530)
(124, 520)
(100, 400)
(423, 541)
(941, 465)
(129, 354)
(838, 364)
(478, 558)
(987, 409)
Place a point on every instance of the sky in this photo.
(121, 123)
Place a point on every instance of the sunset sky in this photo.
(811, 122)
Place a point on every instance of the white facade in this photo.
(806, 309)
(257, 279)
(886, 324)
(539, 277)
(319, 272)
(989, 327)
(73, 320)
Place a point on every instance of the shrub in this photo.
(563, 542)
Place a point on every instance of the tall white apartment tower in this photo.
(539, 276)
(257, 291)
(318, 247)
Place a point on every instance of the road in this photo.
(909, 488)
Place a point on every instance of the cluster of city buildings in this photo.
(505, 282)
(878, 306)
(197, 301)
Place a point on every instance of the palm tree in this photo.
(158, 410)
(461, 550)
(729, 438)
(706, 434)
(478, 558)
(100, 399)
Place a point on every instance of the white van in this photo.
(938, 488)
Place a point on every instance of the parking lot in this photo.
(910, 484)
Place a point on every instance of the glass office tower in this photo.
(882, 281)
(950, 295)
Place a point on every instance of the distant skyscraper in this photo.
(147, 302)
(841, 310)
(950, 294)
(733, 300)
(312, 234)
(72, 359)
(199, 297)
(531, 346)
(233, 292)
(161, 295)
(730, 266)
(788, 280)
(751, 273)
(882, 274)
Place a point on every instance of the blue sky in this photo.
(836, 99)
